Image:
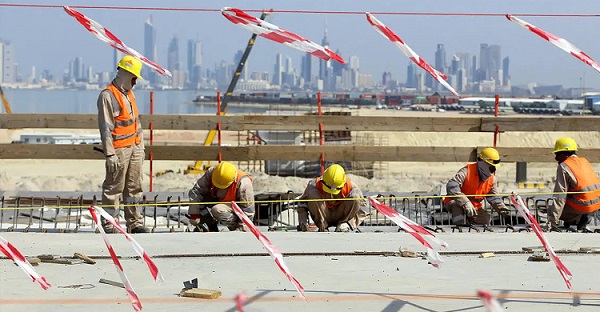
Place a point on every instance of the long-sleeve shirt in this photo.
(565, 179)
(108, 110)
(202, 191)
(453, 187)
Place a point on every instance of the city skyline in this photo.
(531, 58)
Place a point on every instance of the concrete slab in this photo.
(336, 282)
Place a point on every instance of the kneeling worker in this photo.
(345, 215)
(221, 183)
(470, 185)
(574, 174)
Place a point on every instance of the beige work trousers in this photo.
(223, 213)
(458, 214)
(125, 184)
(347, 211)
(569, 215)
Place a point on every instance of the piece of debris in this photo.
(589, 249)
(200, 293)
(534, 248)
(48, 257)
(62, 261)
(487, 255)
(34, 261)
(83, 257)
(408, 253)
(112, 283)
(539, 256)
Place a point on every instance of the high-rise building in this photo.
(489, 61)
(325, 68)
(150, 50)
(236, 61)
(194, 61)
(505, 74)
(354, 64)
(440, 58)
(9, 65)
(411, 75)
(306, 71)
(278, 70)
(173, 63)
(78, 73)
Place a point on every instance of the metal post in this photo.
(521, 172)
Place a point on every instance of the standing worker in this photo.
(471, 184)
(332, 200)
(221, 183)
(123, 144)
(574, 174)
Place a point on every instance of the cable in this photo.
(48, 6)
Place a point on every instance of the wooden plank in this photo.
(300, 123)
(112, 283)
(288, 152)
(200, 293)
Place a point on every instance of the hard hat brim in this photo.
(330, 191)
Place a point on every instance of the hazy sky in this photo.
(48, 38)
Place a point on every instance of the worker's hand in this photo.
(469, 209)
(112, 163)
(503, 211)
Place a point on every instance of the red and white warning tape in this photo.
(557, 41)
(105, 35)
(388, 33)
(15, 255)
(273, 32)
(535, 226)
(414, 229)
(271, 249)
(490, 303)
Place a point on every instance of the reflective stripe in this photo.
(584, 203)
(121, 137)
(124, 123)
(589, 188)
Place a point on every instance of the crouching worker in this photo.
(471, 184)
(332, 200)
(576, 191)
(221, 183)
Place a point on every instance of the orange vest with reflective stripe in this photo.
(126, 126)
(231, 190)
(344, 192)
(472, 187)
(588, 182)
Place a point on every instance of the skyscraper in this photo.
(411, 75)
(194, 61)
(236, 61)
(150, 51)
(306, 71)
(173, 63)
(505, 74)
(278, 70)
(440, 58)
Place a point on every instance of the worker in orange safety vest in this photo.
(576, 190)
(470, 186)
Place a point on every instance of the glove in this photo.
(112, 163)
(469, 209)
(503, 211)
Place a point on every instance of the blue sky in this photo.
(49, 38)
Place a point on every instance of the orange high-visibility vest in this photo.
(344, 192)
(588, 182)
(125, 132)
(231, 190)
(473, 188)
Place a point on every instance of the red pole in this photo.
(497, 130)
(321, 139)
(151, 137)
(319, 103)
(218, 103)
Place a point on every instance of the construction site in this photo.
(51, 193)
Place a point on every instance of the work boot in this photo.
(302, 227)
(343, 227)
(238, 227)
(109, 228)
(582, 224)
(139, 229)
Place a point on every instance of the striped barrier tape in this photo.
(15, 255)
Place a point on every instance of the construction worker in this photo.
(574, 174)
(221, 183)
(471, 184)
(344, 211)
(123, 145)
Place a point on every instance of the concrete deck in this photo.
(333, 282)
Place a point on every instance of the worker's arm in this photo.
(496, 201)
(108, 108)
(357, 193)
(564, 178)
(302, 208)
(201, 188)
(453, 187)
(245, 195)
(140, 131)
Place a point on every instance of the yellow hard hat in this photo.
(224, 175)
(132, 65)
(490, 156)
(565, 144)
(334, 179)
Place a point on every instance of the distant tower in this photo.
(505, 74)
(440, 58)
(173, 55)
(278, 70)
(236, 60)
(150, 51)
(307, 69)
(325, 69)
(411, 75)
(194, 61)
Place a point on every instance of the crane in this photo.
(199, 167)
(5, 102)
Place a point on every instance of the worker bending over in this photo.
(574, 174)
(345, 215)
(471, 184)
(221, 183)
